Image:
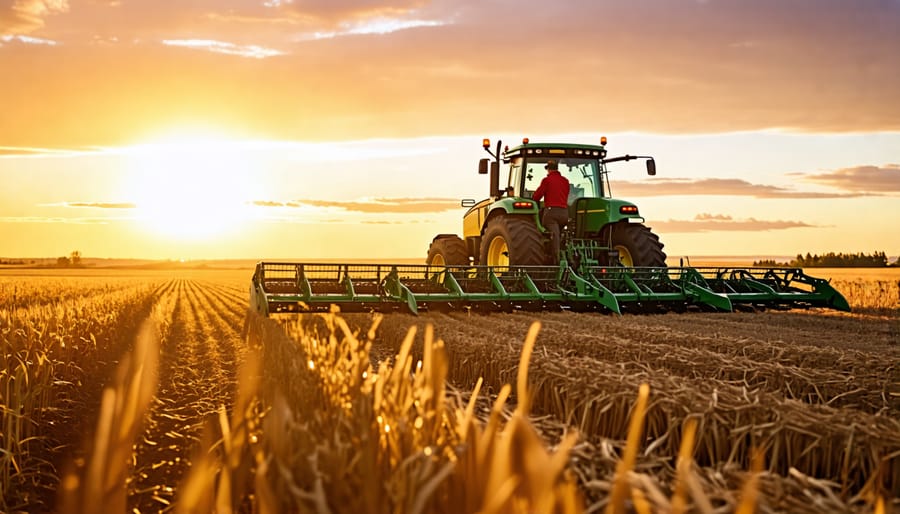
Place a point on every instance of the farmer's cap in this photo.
(551, 165)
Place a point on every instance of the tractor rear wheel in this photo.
(447, 251)
(637, 245)
(512, 241)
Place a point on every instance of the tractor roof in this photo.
(546, 149)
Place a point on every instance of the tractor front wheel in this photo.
(512, 241)
(447, 251)
(637, 245)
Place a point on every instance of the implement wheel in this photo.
(637, 245)
(512, 241)
(447, 250)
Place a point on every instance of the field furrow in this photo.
(228, 308)
(197, 376)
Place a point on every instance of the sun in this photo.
(191, 187)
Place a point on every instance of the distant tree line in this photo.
(73, 260)
(834, 260)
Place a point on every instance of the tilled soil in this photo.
(198, 369)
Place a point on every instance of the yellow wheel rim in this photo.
(438, 260)
(498, 252)
(624, 256)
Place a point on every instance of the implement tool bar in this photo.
(280, 287)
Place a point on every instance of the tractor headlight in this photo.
(628, 209)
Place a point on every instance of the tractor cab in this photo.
(580, 164)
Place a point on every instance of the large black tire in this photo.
(637, 245)
(447, 251)
(512, 241)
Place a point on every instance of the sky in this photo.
(352, 128)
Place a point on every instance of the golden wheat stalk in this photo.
(101, 486)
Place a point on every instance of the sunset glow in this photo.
(190, 188)
(138, 129)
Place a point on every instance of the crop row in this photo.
(54, 360)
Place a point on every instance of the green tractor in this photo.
(506, 229)
(609, 261)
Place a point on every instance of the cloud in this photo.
(374, 205)
(334, 11)
(876, 179)
(432, 68)
(712, 217)
(98, 205)
(16, 151)
(223, 47)
(723, 223)
(717, 187)
(24, 16)
(28, 40)
(72, 221)
(22, 151)
(374, 26)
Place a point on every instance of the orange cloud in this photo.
(333, 11)
(723, 223)
(718, 187)
(57, 219)
(704, 67)
(224, 47)
(882, 179)
(712, 217)
(24, 16)
(101, 205)
(375, 205)
(21, 151)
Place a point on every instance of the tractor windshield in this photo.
(583, 175)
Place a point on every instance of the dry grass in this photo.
(854, 452)
(879, 297)
(342, 414)
(50, 355)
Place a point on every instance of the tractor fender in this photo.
(443, 236)
(504, 207)
(594, 214)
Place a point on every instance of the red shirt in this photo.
(556, 189)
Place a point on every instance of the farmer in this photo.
(555, 188)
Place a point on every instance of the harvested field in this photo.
(804, 387)
(325, 416)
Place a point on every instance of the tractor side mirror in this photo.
(495, 179)
(651, 167)
(483, 166)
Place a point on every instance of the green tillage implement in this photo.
(312, 287)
